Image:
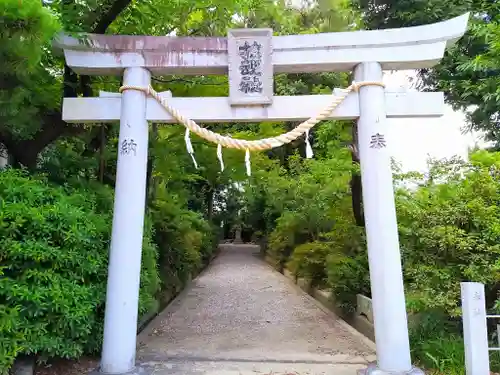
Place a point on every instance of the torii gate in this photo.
(251, 57)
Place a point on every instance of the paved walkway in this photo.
(242, 317)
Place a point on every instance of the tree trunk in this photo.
(154, 181)
(149, 173)
(102, 148)
(356, 183)
(210, 202)
(25, 152)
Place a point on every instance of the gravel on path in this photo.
(241, 310)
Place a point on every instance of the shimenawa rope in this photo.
(261, 144)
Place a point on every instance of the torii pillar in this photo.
(386, 276)
(367, 53)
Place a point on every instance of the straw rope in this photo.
(261, 144)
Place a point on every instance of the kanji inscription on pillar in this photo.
(128, 147)
(250, 66)
(377, 141)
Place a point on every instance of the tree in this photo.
(469, 74)
(46, 79)
(28, 89)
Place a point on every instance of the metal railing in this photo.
(497, 349)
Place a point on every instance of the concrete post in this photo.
(477, 355)
(122, 297)
(388, 300)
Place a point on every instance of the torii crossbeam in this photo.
(251, 57)
(107, 108)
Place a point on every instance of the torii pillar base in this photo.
(372, 369)
(138, 370)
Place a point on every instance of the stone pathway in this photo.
(242, 317)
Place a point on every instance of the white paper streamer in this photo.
(194, 161)
(189, 147)
(247, 163)
(309, 150)
(219, 156)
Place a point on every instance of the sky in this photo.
(412, 141)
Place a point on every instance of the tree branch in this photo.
(107, 18)
(25, 152)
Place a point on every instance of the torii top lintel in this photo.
(404, 48)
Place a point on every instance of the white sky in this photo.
(412, 141)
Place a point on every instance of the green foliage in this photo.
(54, 239)
(25, 30)
(12, 336)
(448, 222)
(186, 242)
(308, 260)
(28, 89)
(282, 239)
(469, 74)
(347, 263)
(62, 162)
(57, 237)
(53, 261)
(449, 233)
(436, 343)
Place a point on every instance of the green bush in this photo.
(12, 336)
(186, 243)
(437, 343)
(54, 249)
(450, 232)
(347, 277)
(347, 263)
(29, 90)
(283, 239)
(308, 260)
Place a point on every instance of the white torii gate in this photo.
(368, 53)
